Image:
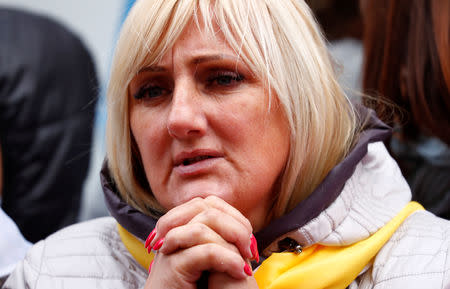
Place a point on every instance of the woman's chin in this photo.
(197, 189)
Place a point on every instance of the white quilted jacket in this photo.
(91, 254)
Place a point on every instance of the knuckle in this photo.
(196, 201)
(162, 224)
(170, 239)
(199, 203)
(211, 251)
(211, 213)
(210, 217)
(199, 230)
(213, 200)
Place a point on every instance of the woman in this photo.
(225, 120)
(407, 60)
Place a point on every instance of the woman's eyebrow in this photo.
(213, 57)
(152, 69)
(195, 61)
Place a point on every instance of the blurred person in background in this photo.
(407, 63)
(342, 24)
(48, 91)
(12, 244)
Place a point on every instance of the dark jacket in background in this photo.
(48, 91)
(425, 163)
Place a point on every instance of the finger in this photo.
(207, 257)
(150, 238)
(190, 235)
(223, 281)
(182, 214)
(231, 230)
(176, 217)
(223, 206)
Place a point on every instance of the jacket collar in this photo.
(331, 186)
(141, 225)
(128, 217)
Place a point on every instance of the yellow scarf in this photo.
(135, 247)
(328, 267)
(315, 267)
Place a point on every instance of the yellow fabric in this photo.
(324, 266)
(315, 268)
(135, 247)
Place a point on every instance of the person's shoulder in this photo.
(97, 238)
(89, 239)
(423, 233)
(417, 255)
(104, 226)
(85, 254)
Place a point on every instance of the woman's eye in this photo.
(224, 79)
(150, 91)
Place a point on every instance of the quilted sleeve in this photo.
(26, 274)
(417, 256)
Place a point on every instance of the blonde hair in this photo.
(280, 42)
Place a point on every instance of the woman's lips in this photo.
(195, 162)
(199, 167)
(190, 161)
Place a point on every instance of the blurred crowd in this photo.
(391, 56)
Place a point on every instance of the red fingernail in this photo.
(254, 248)
(158, 244)
(150, 267)
(150, 238)
(247, 270)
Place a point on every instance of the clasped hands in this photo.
(203, 234)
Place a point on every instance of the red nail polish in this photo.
(150, 267)
(158, 244)
(247, 270)
(150, 238)
(254, 248)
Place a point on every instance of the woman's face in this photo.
(203, 127)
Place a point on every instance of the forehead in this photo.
(186, 34)
(197, 42)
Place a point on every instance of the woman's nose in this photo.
(186, 117)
